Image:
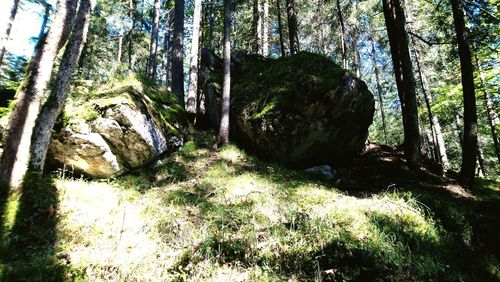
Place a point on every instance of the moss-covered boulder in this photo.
(122, 126)
(301, 111)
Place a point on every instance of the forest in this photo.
(249, 140)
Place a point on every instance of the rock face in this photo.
(300, 111)
(117, 130)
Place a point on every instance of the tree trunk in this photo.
(292, 27)
(438, 139)
(265, 28)
(193, 66)
(405, 81)
(226, 84)
(211, 25)
(280, 29)
(469, 150)
(30, 95)
(153, 46)
(119, 54)
(178, 52)
(379, 90)
(342, 35)
(256, 27)
(45, 20)
(54, 105)
(490, 112)
(355, 53)
(131, 8)
(5, 39)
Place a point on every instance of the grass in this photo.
(222, 215)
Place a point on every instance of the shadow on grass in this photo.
(28, 233)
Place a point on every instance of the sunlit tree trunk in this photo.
(193, 66)
(131, 14)
(292, 26)
(256, 27)
(342, 35)
(226, 84)
(153, 46)
(280, 29)
(379, 90)
(55, 102)
(119, 53)
(405, 81)
(30, 95)
(490, 112)
(178, 52)
(211, 25)
(469, 149)
(265, 28)
(6, 36)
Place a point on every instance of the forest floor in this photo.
(223, 215)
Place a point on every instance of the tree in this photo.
(265, 28)
(30, 95)
(292, 27)
(256, 27)
(6, 36)
(405, 81)
(280, 29)
(193, 65)
(178, 52)
(153, 47)
(45, 19)
(52, 108)
(226, 84)
(379, 89)
(469, 149)
(342, 35)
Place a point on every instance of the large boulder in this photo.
(301, 111)
(121, 127)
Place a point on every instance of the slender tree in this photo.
(30, 95)
(379, 90)
(211, 25)
(256, 27)
(469, 149)
(178, 52)
(226, 84)
(292, 27)
(52, 108)
(405, 81)
(265, 28)
(131, 14)
(6, 36)
(193, 65)
(153, 46)
(342, 35)
(280, 28)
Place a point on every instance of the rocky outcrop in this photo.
(117, 130)
(301, 111)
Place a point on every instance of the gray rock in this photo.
(324, 171)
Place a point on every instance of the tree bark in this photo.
(405, 81)
(490, 112)
(379, 90)
(55, 102)
(30, 95)
(265, 28)
(131, 8)
(292, 27)
(153, 46)
(211, 25)
(5, 39)
(342, 35)
(469, 149)
(120, 48)
(226, 84)
(280, 29)
(193, 66)
(256, 27)
(178, 52)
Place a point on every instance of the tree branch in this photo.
(428, 42)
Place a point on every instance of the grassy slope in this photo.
(221, 215)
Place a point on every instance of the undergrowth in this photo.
(222, 215)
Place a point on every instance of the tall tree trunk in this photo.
(265, 28)
(5, 38)
(226, 84)
(490, 112)
(292, 27)
(44, 20)
(342, 35)
(30, 95)
(280, 29)
(355, 53)
(131, 14)
(54, 105)
(211, 25)
(438, 139)
(120, 48)
(469, 150)
(178, 52)
(405, 81)
(193, 66)
(256, 27)
(153, 46)
(379, 90)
